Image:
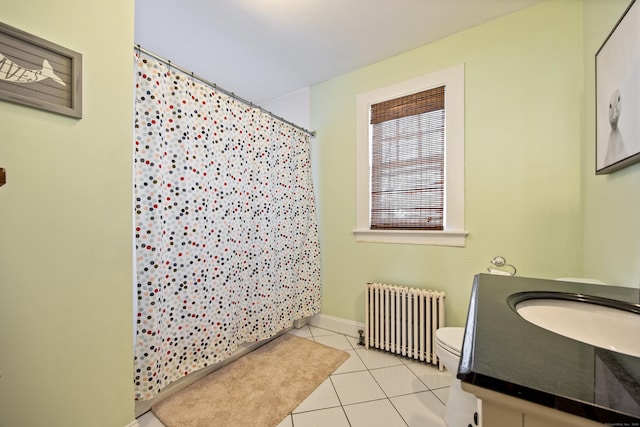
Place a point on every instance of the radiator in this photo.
(403, 320)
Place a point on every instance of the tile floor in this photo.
(370, 389)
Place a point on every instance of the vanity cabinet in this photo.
(528, 376)
(500, 410)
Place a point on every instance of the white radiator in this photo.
(403, 320)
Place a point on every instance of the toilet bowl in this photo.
(462, 407)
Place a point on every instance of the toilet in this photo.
(462, 407)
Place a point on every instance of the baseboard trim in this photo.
(133, 424)
(336, 324)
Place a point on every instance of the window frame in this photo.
(453, 234)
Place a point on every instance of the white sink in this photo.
(606, 327)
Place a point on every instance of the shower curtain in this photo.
(227, 248)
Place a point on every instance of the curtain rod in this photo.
(218, 88)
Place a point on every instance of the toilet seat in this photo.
(450, 339)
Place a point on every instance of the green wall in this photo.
(65, 230)
(611, 202)
(65, 225)
(523, 124)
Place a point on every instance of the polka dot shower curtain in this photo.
(226, 240)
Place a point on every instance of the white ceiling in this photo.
(264, 49)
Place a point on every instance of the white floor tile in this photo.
(353, 341)
(420, 409)
(352, 364)
(356, 387)
(430, 375)
(398, 380)
(379, 413)
(323, 397)
(442, 394)
(336, 341)
(375, 389)
(318, 332)
(303, 332)
(287, 422)
(374, 359)
(149, 420)
(333, 417)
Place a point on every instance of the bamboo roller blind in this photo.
(407, 175)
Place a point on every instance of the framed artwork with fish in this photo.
(38, 73)
(618, 95)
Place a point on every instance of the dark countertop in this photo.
(507, 354)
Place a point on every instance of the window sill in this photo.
(413, 237)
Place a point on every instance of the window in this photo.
(407, 162)
(410, 161)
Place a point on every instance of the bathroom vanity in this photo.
(526, 375)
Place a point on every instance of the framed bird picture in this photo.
(618, 95)
(38, 73)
